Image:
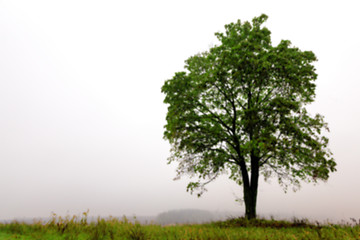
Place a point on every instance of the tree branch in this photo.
(265, 160)
(220, 121)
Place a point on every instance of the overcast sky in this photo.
(82, 115)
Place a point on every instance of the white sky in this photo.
(81, 112)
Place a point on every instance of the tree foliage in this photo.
(240, 108)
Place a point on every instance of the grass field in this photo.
(78, 227)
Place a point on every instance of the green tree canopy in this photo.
(240, 107)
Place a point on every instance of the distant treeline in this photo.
(179, 216)
(191, 216)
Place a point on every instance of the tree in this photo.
(240, 108)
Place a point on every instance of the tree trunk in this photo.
(250, 185)
(250, 196)
(251, 189)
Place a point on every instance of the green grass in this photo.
(71, 228)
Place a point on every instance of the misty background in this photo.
(82, 115)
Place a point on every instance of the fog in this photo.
(82, 115)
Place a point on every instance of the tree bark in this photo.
(250, 197)
(251, 189)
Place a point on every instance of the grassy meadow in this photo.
(78, 227)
